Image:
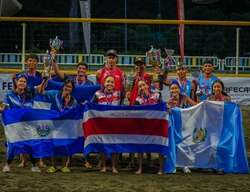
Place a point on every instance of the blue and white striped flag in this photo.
(209, 135)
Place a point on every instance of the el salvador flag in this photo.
(125, 129)
(43, 133)
(210, 135)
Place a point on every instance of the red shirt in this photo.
(134, 92)
(117, 73)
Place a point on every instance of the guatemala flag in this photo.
(43, 133)
(209, 135)
(125, 129)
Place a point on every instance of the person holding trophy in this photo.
(131, 89)
(146, 97)
(207, 79)
(60, 100)
(186, 87)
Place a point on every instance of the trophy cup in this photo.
(47, 63)
(129, 86)
(196, 75)
(55, 45)
(170, 59)
(154, 56)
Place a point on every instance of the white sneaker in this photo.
(186, 170)
(6, 169)
(36, 169)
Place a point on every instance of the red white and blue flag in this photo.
(130, 129)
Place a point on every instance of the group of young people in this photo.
(112, 92)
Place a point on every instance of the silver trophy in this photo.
(169, 60)
(55, 45)
(129, 86)
(196, 75)
(48, 64)
(154, 56)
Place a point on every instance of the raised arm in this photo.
(40, 88)
(57, 70)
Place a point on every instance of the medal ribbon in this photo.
(23, 98)
(220, 97)
(83, 81)
(146, 100)
(111, 98)
(172, 102)
(182, 85)
(31, 74)
(205, 84)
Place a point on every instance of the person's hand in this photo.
(128, 94)
(84, 103)
(53, 52)
(1, 110)
(157, 70)
(13, 76)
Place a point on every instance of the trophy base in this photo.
(157, 78)
(199, 93)
(46, 75)
(126, 102)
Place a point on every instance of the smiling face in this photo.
(21, 83)
(32, 63)
(143, 87)
(81, 70)
(208, 68)
(109, 84)
(217, 88)
(181, 72)
(67, 88)
(174, 90)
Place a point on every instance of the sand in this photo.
(83, 179)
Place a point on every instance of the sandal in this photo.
(51, 170)
(65, 170)
(220, 172)
(209, 171)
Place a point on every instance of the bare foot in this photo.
(22, 165)
(103, 170)
(138, 172)
(114, 170)
(88, 166)
(160, 173)
(42, 164)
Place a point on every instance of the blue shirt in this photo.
(13, 100)
(206, 87)
(58, 102)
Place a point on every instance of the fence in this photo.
(214, 40)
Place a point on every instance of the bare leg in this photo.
(23, 162)
(65, 161)
(87, 164)
(161, 162)
(68, 161)
(132, 160)
(114, 157)
(104, 162)
(41, 163)
(53, 160)
(140, 156)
